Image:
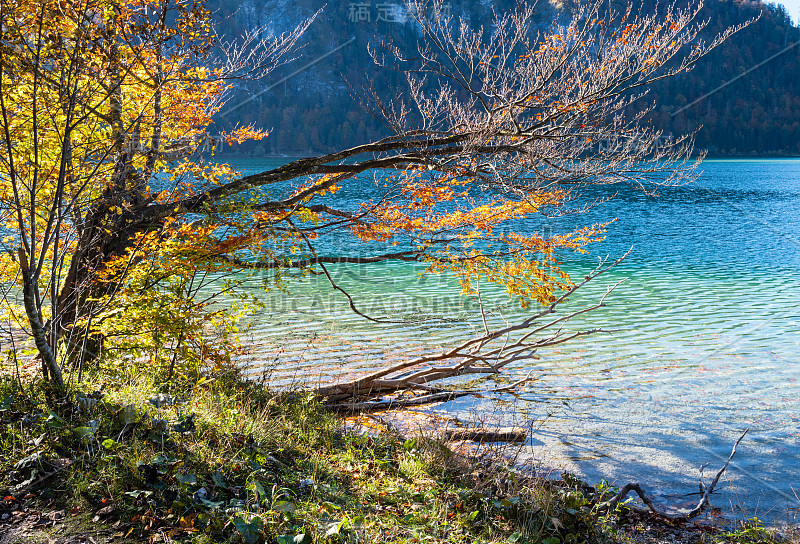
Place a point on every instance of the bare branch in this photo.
(464, 357)
(693, 513)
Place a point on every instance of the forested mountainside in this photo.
(321, 108)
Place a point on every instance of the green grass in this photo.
(234, 462)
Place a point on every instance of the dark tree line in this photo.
(318, 110)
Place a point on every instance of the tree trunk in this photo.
(105, 236)
(50, 366)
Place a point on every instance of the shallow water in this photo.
(708, 331)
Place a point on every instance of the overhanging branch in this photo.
(479, 355)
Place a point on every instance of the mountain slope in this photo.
(320, 108)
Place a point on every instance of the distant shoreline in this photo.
(235, 156)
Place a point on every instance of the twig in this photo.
(45, 477)
(704, 501)
(693, 513)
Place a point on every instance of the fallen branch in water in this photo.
(651, 507)
(485, 354)
(483, 436)
(393, 404)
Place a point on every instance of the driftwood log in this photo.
(485, 436)
(486, 354)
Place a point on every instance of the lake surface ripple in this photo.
(708, 324)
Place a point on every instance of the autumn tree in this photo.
(113, 218)
(101, 103)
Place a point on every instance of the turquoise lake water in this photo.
(707, 341)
